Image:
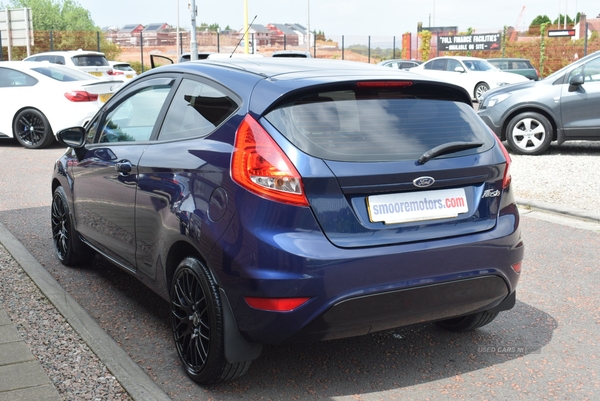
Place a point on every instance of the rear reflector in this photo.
(81, 96)
(517, 267)
(275, 304)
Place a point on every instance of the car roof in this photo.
(267, 67)
(284, 75)
(507, 59)
(70, 52)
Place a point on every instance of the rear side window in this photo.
(63, 74)
(196, 110)
(378, 124)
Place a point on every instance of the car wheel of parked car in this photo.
(64, 236)
(32, 129)
(197, 323)
(529, 133)
(469, 322)
(480, 89)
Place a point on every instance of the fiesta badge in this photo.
(423, 182)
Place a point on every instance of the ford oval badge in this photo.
(423, 182)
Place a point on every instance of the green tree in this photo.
(561, 20)
(539, 20)
(70, 23)
(62, 15)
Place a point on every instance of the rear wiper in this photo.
(446, 148)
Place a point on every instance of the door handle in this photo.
(124, 167)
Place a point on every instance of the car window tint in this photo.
(62, 74)
(439, 64)
(520, 65)
(378, 124)
(11, 78)
(134, 118)
(452, 65)
(591, 71)
(196, 110)
(90, 61)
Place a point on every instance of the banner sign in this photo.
(16, 27)
(561, 32)
(486, 41)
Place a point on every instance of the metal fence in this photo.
(547, 54)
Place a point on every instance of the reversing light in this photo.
(81, 96)
(507, 177)
(383, 84)
(275, 304)
(259, 165)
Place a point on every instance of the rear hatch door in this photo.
(386, 163)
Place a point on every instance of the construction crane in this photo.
(513, 35)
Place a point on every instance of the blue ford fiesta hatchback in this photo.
(273, 201)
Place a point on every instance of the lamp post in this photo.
(193, 41)
(308, 26)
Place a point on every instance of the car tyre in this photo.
(469, 322)
(64, 237)
(529, 134)
(32, 129)
(197, 324)
(480, 89)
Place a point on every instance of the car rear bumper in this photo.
(358, 291)
(367, 314)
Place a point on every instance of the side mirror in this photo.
(576, 80)
(73, 137)
(459, 69)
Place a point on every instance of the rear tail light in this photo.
(275, 304)
(113, 72)
(507, 177)
(81, 96)
(259, 165)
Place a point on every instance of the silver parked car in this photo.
(562, 107)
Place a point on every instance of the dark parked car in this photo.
(562, 107)
(520, 66)
(400, 64)
(273, 201)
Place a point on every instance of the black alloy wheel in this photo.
(197, 324)
(32, 129)
(64, 236)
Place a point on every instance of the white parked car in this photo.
(39, 99)
(94, 63)
(474, 74)
(122, 70)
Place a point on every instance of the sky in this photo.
(341, 17)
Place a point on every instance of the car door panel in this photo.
(105, 208)
(580, 104)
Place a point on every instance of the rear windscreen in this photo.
(377, 125)
(90, 61)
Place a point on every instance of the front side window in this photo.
(196, 110)
(134, 118)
